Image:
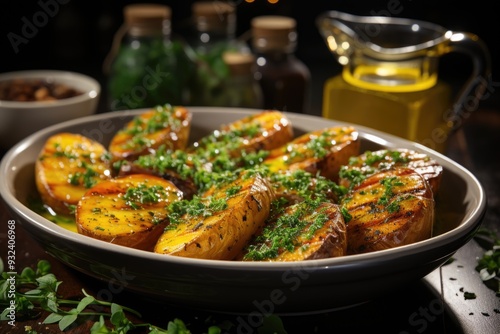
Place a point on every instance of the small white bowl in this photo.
(20, 119)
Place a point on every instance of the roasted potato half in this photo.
(260, 132)
(145, 166)
(323, 151)
(298, 185)
(304, 231)
(388, 209)
(67, 166)
(129, 211)
(274, 130)
(218, 224)
(369, 163)
(167, 126)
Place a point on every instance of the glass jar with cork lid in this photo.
(145, 67)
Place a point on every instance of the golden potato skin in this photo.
(321, 233)
(370, 163)
(262, 131)
(223, 234)
(296, 186)
(164, 125)
(186, 186)
(129, 211)
(275, 130)
(389, 209)
(66, 167)
(323, 151)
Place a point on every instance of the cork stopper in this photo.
(239, 63)
(147, 18)
(214, 16)
(273, 32)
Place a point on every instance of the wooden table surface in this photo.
(434, 304)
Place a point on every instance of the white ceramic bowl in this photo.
(20, 119)
(230, 286)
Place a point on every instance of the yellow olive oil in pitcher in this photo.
(413, 111)
(389, 78)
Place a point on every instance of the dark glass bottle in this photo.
(285, 80)
(145, 66)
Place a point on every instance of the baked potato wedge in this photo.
(67, 166)
(304, 231)
(369, 163)
(274, 130)
(129, 211)
(243, 142)
(175, 167)
(220, 222)
(296, 186)
(320, 152)
(166, 125)
(388, 209)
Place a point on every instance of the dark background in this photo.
(77, 34)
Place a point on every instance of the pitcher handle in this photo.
(475, 87)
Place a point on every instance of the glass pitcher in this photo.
(389, 79)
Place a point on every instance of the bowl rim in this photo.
(471, 220)
(88, 94)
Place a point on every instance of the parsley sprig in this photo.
(488, 265)
(36, 290)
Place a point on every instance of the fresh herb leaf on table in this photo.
(489, 264)
(37, 289)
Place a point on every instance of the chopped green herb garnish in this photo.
(283, 234)
(198, 207)
(388, 183)
(143, 194)
(88, 178)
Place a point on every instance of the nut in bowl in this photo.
(33, 100)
